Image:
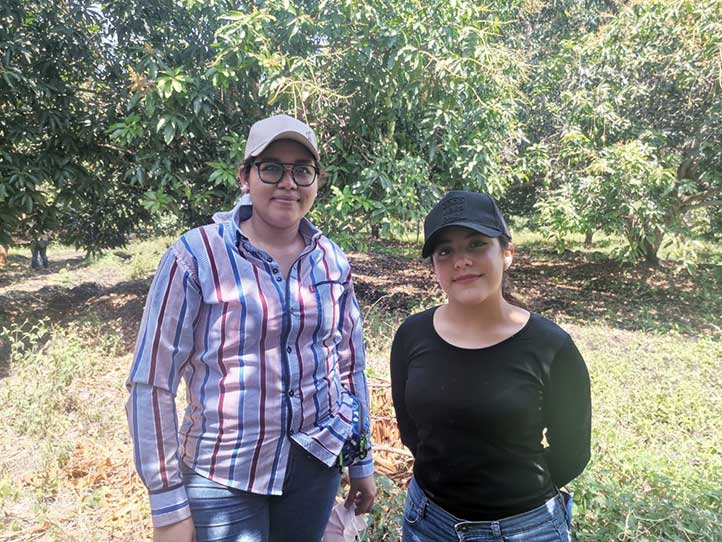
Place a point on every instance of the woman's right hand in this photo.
(183, 531)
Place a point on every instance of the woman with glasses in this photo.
(257, 314)
(478, 384)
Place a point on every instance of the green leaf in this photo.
(234, 16)
(169, 133)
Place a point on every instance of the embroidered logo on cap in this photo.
(452, 209)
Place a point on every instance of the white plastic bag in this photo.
(343, 525)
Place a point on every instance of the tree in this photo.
(638, 124)
(58, 91)
(406, 99)
(182, 115)
(116, 113)
(119, 113)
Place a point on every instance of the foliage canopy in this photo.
(59, 91)
(636, 142)
(605, 115)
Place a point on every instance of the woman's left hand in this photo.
(362, 492)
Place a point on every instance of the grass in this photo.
(656, 468)
(136, 260)
(66, 470)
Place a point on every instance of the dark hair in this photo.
(506, 285)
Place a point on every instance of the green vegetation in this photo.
(65, 462)
(588, 117)
(654, 475)
(634, 144)
(597, 124)
(63, 473)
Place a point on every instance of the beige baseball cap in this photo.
(266, 131)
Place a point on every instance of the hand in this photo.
(362, 492)
(183, 531)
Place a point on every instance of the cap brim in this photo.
(290, 134)
(484, 230)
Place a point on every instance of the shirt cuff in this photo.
(363, 468)
(169, 506)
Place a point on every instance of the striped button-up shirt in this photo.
(266, 359)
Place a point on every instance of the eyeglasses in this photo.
(271, 172)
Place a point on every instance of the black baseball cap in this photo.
(473, 210)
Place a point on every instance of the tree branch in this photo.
(703, 199)
(114, 148)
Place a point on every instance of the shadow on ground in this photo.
(581, 288)
(119, 306)
(17, 268)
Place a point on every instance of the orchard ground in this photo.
(650, 335)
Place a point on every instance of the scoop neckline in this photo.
(501, 342)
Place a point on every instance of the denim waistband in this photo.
(550, 510)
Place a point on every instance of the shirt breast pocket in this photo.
(329, 306)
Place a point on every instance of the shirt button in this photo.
(278, 279)
(289, 349)
(290, 432)
(290, 393)
(269, 259)
(275, 270)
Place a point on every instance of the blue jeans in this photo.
(39, 254)
(224, 514)
(425, 521)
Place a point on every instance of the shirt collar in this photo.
(243, 211)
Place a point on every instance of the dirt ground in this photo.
(572, 286)
(576, 288)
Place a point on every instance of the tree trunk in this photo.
(643, 242)
(649, 252)
(588, 238)
(648, 247)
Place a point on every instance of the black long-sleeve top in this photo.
(475, 418)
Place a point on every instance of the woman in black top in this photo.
(478, 384)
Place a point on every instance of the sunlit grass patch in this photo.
(656, 468)
(65, 468)
(138, 260)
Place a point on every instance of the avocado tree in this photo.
(637, 143)
(406, 100)
(59, 89)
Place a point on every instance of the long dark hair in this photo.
(506, 285)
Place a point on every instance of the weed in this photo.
(24, 339)
(65, 278)
(656, 469)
